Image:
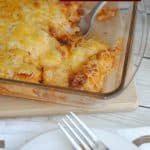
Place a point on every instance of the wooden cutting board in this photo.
(15, 107)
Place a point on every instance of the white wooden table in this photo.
(19, 131)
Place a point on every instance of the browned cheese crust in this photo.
(38, 43)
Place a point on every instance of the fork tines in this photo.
(78, 133)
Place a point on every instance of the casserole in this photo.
(58, 85)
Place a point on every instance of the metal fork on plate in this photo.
(81, 137)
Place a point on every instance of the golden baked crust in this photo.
(107, 12)
(38, 43)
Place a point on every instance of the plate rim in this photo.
(58, 129)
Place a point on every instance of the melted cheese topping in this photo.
(38, 43)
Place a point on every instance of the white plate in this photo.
(55, 140)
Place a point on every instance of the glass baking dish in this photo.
(131, 27)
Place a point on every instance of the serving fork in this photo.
(81, 137)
